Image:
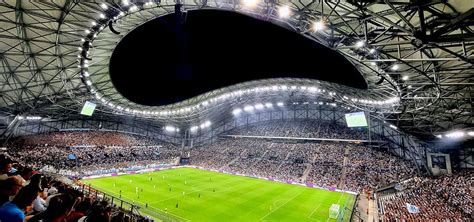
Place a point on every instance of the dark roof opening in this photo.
(159, 64)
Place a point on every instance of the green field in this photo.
(199, 195)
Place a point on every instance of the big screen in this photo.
(88, 108)
(356, 119)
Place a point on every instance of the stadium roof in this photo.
(416, 57)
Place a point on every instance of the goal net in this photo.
(334, 211)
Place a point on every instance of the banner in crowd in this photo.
(412, 209)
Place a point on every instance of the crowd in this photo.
(85, 138)
(306, 128)
(77, 155)
(27, 195)
(365, 168)
(446, 198)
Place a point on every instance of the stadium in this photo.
(245, 110)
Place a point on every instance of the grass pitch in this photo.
(199, 195)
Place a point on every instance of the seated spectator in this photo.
(59, 208)
(9, 188)
(15, 210)
(80, 211)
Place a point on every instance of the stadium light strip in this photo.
(238, 93)
(99, 24)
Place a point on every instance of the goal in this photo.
(334, 211)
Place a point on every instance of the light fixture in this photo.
(372, 51)
(237, 111)
(248, 108)
(94, 23)
(259, 106)
(268, 105)
(319, 26)
(455, 134)
(395, 67)
(250, 3)
(101, 15)
(360, 44)
(470, 133)
(125, 2)
(170, 128)
(405, 78)
(104, 6)
(439, 136)
(280, 104)
(284, 11)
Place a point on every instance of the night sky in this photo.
(159, 63)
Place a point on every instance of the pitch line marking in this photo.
(261, 219)
(106, 190)
(312, 212)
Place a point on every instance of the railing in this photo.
(130, 205)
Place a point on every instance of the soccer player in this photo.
(154, 186)
(130, 181)
(199, 195)
(177, 205)
(115, 184)
(184, 193)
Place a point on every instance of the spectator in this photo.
(9, 188)
(15, 210)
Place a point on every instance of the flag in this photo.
(412, 209)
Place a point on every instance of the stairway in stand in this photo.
(344, 166)
(306, 172)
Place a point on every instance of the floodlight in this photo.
(170, 128)
(395, 67)
(268, 105)
(125, 2)
(284, 11)
(259, 106)
(470, 133)
(280, 104)
(360, 44)
(439, 136)
(104, 6)
(250, 3)
(372, 51)
(94, 23)
(248, 108)
(319, 26)
(456, 134)
(237, 111)
(405, 78)
(101, 15)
